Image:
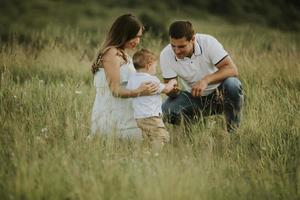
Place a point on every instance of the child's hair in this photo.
(143, 57)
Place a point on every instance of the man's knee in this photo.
(232, 87)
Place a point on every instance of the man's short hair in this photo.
(143, 57)
(180, 29)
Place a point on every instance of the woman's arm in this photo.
(111, 63)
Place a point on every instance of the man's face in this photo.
(182, 47)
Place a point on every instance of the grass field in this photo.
(46, 97)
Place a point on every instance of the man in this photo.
(208, 77)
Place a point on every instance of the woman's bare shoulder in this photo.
(111, 54)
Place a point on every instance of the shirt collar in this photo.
(142, 74)
(197, 48)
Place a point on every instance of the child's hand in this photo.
(171, 87)
(173, 82)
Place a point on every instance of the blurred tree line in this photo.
(281, 14)
(28, 15)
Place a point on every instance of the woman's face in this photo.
(131, 44)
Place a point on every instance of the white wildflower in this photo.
(44, 130)
(78, 92)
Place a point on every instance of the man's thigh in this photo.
(178, 104)
(183, 105)
(193, 107)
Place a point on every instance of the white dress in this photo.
(110, 115)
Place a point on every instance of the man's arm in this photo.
(168, 72)
(226, 68)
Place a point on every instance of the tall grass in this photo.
(46, 96)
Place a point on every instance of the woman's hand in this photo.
(148, 88)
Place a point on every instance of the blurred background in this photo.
(94, 16)
(66, 34)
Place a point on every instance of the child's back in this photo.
(147, 109)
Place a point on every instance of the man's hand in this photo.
(199, 87)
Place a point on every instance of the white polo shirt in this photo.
(207, 53)
(145, 106)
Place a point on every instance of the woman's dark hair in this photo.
(124, 28)
(180, 29)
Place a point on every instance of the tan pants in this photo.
(154, 130)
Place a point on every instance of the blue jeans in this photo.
(227, 99)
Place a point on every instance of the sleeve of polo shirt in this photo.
(166, 67)
(161, 87)
(216, 52)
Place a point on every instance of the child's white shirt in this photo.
(145, 106)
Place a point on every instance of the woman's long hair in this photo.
(125, 28)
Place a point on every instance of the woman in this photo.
(112, 111)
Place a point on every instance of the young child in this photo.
(147, 109)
